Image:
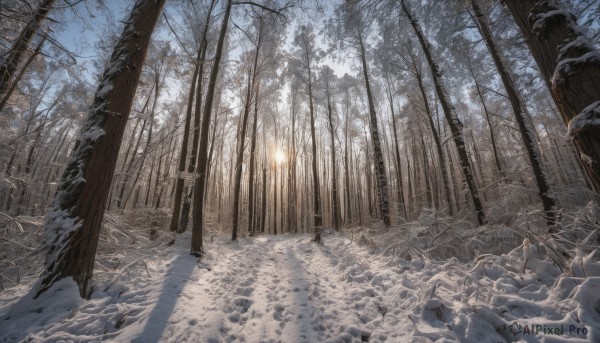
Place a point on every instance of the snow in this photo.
(589, 118)
(286, 288)
(543, 20)
(569, 66)
(577, 52)
(59, 303)
(60, 224)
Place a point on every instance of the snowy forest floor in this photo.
(375, 285)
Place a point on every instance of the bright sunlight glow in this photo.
(279, 156)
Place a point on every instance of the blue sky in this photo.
(79, 32)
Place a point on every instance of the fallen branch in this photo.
(18, 244)
(14, 220)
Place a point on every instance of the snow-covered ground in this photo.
(288, 289)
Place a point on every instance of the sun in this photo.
(279, 156)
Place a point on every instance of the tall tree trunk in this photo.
(478, 161)
(200, 180)
(73, 224)
(568, 62)
(380, 177)
(292, 186)
(15, 82)
(165, 173)
(400, 190)
(520, 114)
(252, 208)
(416, 176)
(148, 144)
(318, 220)
(359, 191)
(174, 225)
(451, 116)
(410, 184)
(213, 139)
(27, 177)
(368, 179)
(426, 172)
(55, 155)
(438, 144)
(263, 206)
(488, 120)
(127, 173)
(130, 145)
(157, 175)
(275, 167)
(188, 192)
(239, 162)
(14, 56)
(348, 204)
(334, 190)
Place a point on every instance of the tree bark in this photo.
(318, 220)
(569, 63)
(200, 180)
(292, 197)
(239, 162)
(252, 208)
(275, 167)
(174, 225)
(188, 192)
(263, 206)
(73, 224)
(334, 190)
(348, 202)
(380, 177)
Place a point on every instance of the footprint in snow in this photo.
(244, 303)
(245, 291)
(248, 281)
(277, 314)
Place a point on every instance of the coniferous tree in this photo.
(73, 224)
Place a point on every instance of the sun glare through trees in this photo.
(279, 156)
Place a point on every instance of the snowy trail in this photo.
(270, 289)
(286, 288)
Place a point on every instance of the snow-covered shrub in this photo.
(147, 217)
(21, 251)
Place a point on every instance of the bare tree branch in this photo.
(252, 3)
